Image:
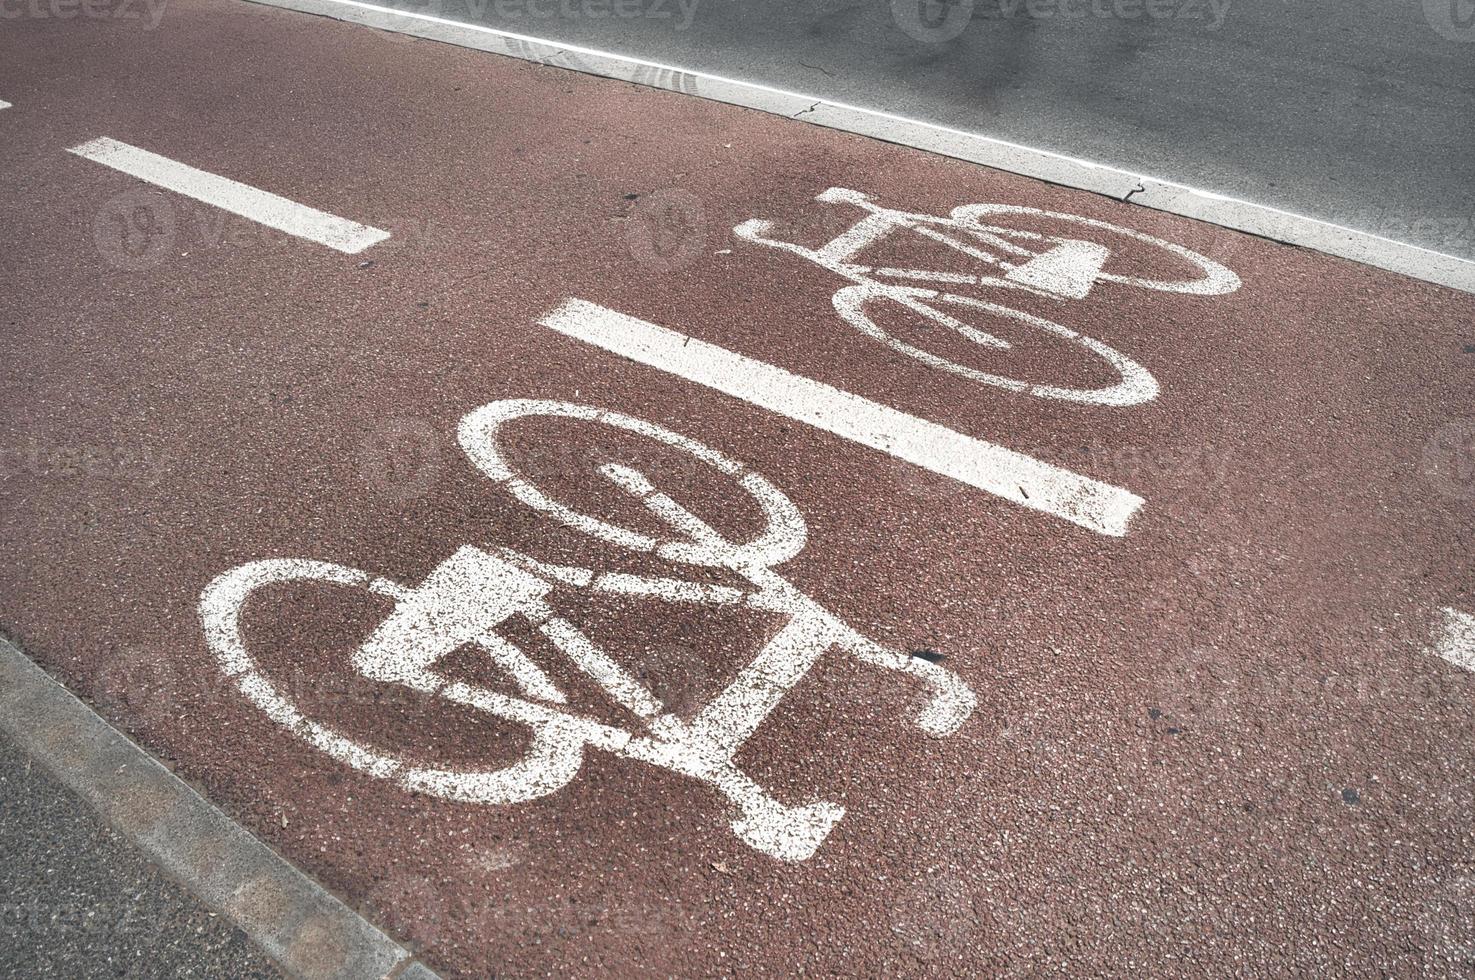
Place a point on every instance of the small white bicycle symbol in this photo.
(1056, 267)
(464, 599)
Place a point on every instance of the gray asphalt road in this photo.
(76, 901)
(1360, 112)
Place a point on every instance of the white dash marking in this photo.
(1003, 472)
(4, 104)
(1455, 640)
(229, 195)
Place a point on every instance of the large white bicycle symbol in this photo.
(464, 599)
(1018, 259)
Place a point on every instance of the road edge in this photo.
(303, 927)
(1055, 168)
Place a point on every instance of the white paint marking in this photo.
(468, 596)
(1069, 269)
(229, 195)
(783, 537)
(1136, 384)
(448, 611)
(616, 681)
(737, 712)
(1455, 641)
(1011, 475)
(4, 104)
(1053, 266)
(1138, 189)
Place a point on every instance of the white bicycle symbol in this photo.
(464, 599)
(1052, 266)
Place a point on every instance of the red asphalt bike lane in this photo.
(1217, 742)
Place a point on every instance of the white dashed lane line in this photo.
(229, 195)
(1015, 477)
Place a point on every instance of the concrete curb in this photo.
(299, 924)
(1055, 168)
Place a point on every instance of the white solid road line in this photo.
(229, 195)
(1456, 639)
(1058, 168)
(1013, 476)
